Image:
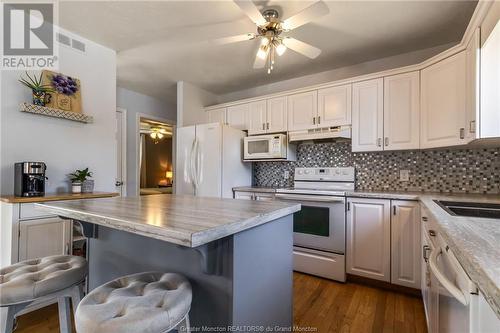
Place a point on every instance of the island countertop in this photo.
(183, 220)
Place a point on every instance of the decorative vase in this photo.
(39, 97)
(76, 187)
(88, 186)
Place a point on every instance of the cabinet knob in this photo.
(379, 142)
(462, 133)
(319, 120)
(386, 140)
(267, 126)
(263, 126)
(314, 120)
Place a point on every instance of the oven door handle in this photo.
(316, 198)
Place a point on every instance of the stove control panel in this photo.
(325, 174)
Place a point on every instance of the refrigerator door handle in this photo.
(192, 166)
(199, 161)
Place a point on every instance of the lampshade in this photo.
(168, 174)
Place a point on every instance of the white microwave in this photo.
(268, 147)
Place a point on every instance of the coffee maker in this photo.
(29, 179)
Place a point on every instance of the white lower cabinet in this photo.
(369, 238)
(405, 243)
(44, 237)
(383, 240)
(243, 195)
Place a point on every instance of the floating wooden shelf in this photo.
(51, 112)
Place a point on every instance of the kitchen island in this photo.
(237, 254)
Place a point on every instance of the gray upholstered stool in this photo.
(35, 281)
(150, 302)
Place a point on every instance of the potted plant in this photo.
(41, 92)
(80, 182)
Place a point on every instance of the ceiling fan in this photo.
(270, 29)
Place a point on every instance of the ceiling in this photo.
(161, 42)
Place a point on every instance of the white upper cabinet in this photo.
(276, 115)
(302, 110)
(489, 125)
(443, 103)
(238, 116)
(402, 111)
(334, 106)
(217, 116)
(367, 115)
(472, 59)
(257, 118)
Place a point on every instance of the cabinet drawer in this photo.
(28, 211)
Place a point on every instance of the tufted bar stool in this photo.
(151, 302)
(32, 282)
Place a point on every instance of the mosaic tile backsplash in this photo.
(443, 170)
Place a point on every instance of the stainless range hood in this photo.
(320, 133)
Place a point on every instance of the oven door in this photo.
(320, 224)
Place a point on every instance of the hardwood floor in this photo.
(329, 306)
(319, 304)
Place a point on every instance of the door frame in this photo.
(123, 113)
(172, 122)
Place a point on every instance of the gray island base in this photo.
(241, 276)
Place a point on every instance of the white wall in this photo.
(62, 144)
(336, 74)
(190, 103)
(135, 104)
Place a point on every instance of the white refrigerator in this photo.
(209, 161)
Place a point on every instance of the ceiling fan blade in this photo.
(301, 47)
(251, 11)
(233, 39)
(259, 62)
(312, 12)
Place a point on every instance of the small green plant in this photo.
(35, 83)
(80, 175)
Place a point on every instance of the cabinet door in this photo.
(472, 85)
(369, 238)
(243, 195)
(334, 106)
(238, 116)
(302, 110)
(44, 237)
(443, 90)
(367, 115)
(402, 111)
(257, 117)
(405, 243)
(217, 116)
(276, 115)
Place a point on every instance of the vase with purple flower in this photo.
(66, 87)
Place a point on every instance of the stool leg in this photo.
(64, 315)
(76, 297)
(7, 318)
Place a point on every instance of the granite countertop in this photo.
(261, 189)
(184, 220)
(56, 197)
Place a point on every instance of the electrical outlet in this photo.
(404, 175)
(286, 174)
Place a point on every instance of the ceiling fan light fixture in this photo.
(262, 52)
(265, 41)
(280, 49)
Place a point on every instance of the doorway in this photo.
(156, 153)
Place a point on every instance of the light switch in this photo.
(404, 175)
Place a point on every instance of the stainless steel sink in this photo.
(472, 209)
